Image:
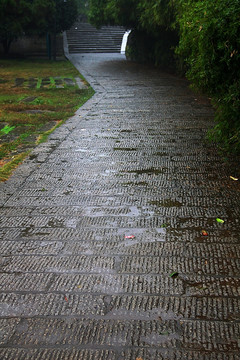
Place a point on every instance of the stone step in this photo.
(83, 37)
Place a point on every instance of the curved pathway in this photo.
(103, 254)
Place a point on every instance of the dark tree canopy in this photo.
(14, 18)
(141, 14)
(18, 17)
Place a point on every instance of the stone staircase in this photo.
(85, 38)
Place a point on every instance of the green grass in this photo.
(7, 169)
(33, 113)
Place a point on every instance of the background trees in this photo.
(19, 17)
(200, 38)
(14, 17)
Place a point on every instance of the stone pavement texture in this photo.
(97, 219)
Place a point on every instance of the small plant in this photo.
(6, 130)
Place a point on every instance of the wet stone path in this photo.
(97, 220)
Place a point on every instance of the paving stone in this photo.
(174, 354)
(119, 307)
(19, 82)
(48, 354)
(188, 285)
(30, 247)
(79, 264)
(190, 335)
(29, 99)
(147, 264)
(69, 82)
(75, 354)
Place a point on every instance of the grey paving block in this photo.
(49, 354)
(132, 307)
(189, 335)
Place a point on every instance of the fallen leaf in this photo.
(233, 53)
(139, 358)
(220, 220)
(233, 178)
(164, 225)
(79, 286)
(174, 274)
(204, 233)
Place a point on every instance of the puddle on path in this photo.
(124, 149)
(166, 203)
(149, 171)
(160, 339)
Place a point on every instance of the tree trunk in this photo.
(6, 45)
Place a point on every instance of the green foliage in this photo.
(114, 12)
(83, 9)
(140, 47)
(6, 129)
(14, 17)
(18, 17)
(150, 48)
(156, 14)
(210, 43)
(66, 14)
(137, 14)
(42, 13)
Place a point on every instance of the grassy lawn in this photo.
(35, 98)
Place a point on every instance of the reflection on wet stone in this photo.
(91, 238)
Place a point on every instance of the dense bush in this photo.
(151, 48)
(210, 45)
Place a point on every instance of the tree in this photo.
(83, 9)
(14, 17)
(18, 17)
(113, 12)
(64, 14)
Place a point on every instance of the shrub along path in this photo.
(120, 234)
